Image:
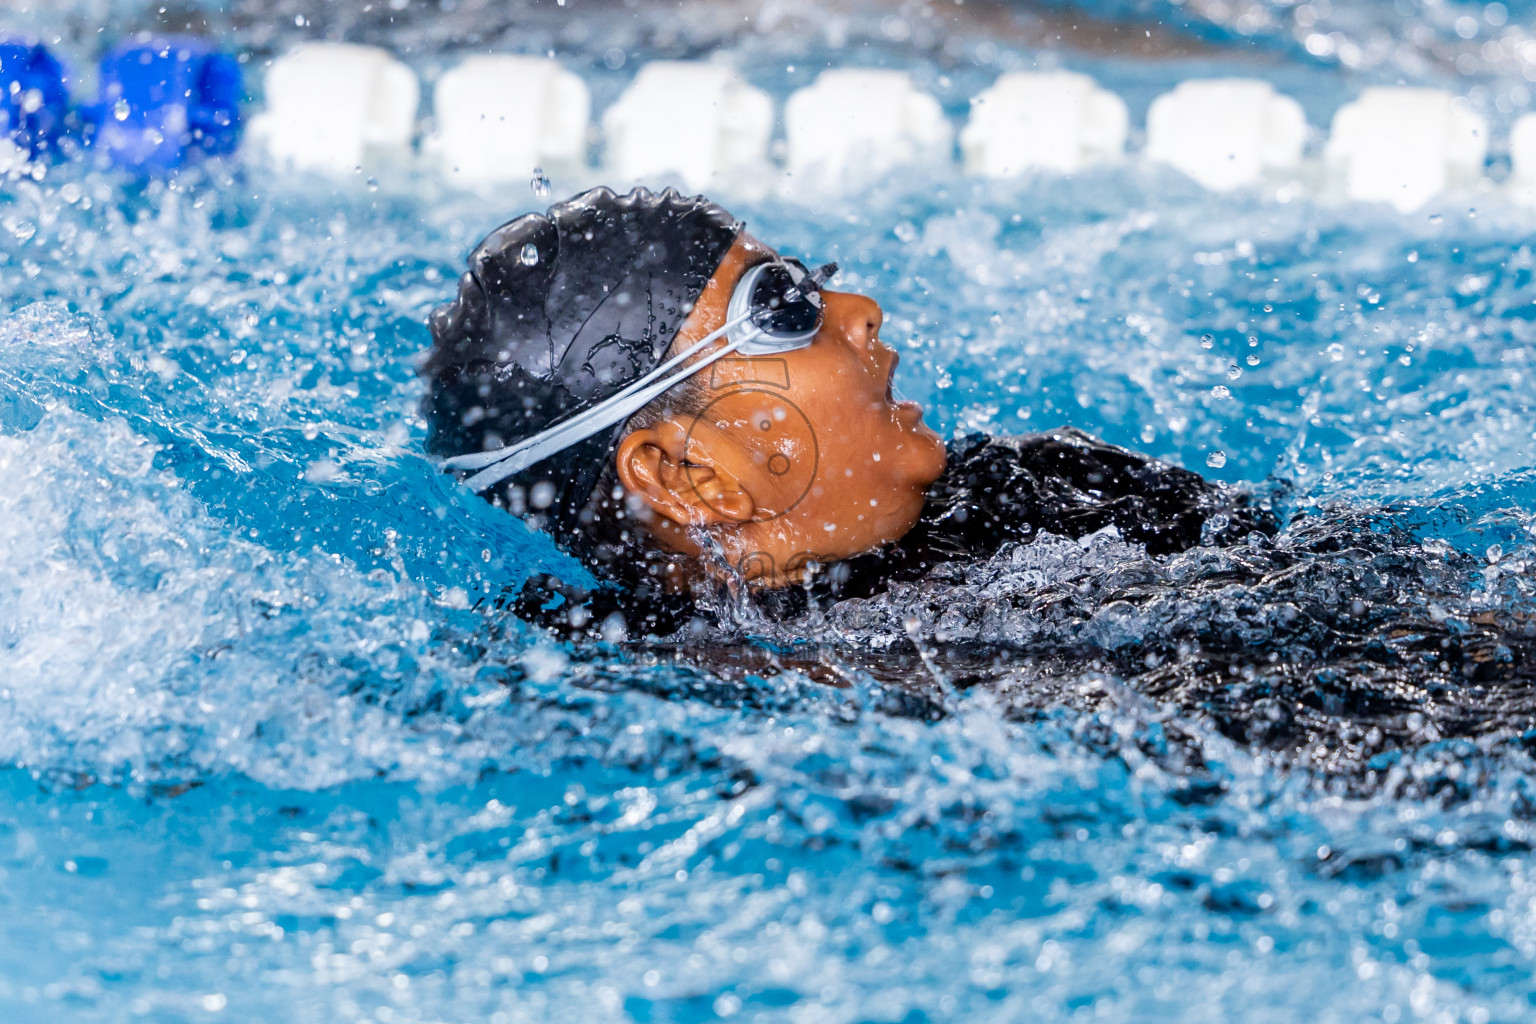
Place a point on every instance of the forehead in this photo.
(745, 253)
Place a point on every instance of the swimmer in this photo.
(687, 410)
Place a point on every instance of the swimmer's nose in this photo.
(859, 319)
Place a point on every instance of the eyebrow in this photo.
(773, 256)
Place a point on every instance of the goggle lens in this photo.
(777, 307)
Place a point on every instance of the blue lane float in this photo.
(164, 102)
(34, 99)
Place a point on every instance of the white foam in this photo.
(1404, 146)
(499, 117)
(13, 159)
(1059, 121)
(699, 121)
(852, 125)
(1226, 133)
(335, 107)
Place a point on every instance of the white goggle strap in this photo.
(504, 462)
(479, 460)
(584, 425)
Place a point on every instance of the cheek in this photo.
(865, 443)
(872, 492)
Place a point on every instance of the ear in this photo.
(680, 476)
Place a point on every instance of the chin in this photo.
(893, 526)
(926, 453)
(934, 455)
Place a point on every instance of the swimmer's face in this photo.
(789, 458)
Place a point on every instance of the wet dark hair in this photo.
(557, 312)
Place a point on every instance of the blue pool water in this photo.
(265, 760)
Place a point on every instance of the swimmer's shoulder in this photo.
(1067, 475)
(1064, 452)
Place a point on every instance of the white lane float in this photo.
(1052, 121)
(1226, 133)
(500, 117)
(336, 107)
(852, 125)
(340, 107)
(1405, 146)
(696, 120)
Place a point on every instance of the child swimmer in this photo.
(680, 407)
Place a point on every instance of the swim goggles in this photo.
(775, 307)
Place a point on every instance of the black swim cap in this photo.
(557, 313)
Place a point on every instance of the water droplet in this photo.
(1216, 459)
(540, 183)
(1234, 371)
(1206, 341)
(120, 110)
(530, 254)
(1495, 552)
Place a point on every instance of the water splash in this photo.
(343, 789)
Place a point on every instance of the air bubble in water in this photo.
(530, 254)
(1216, 459)
(540, 183)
